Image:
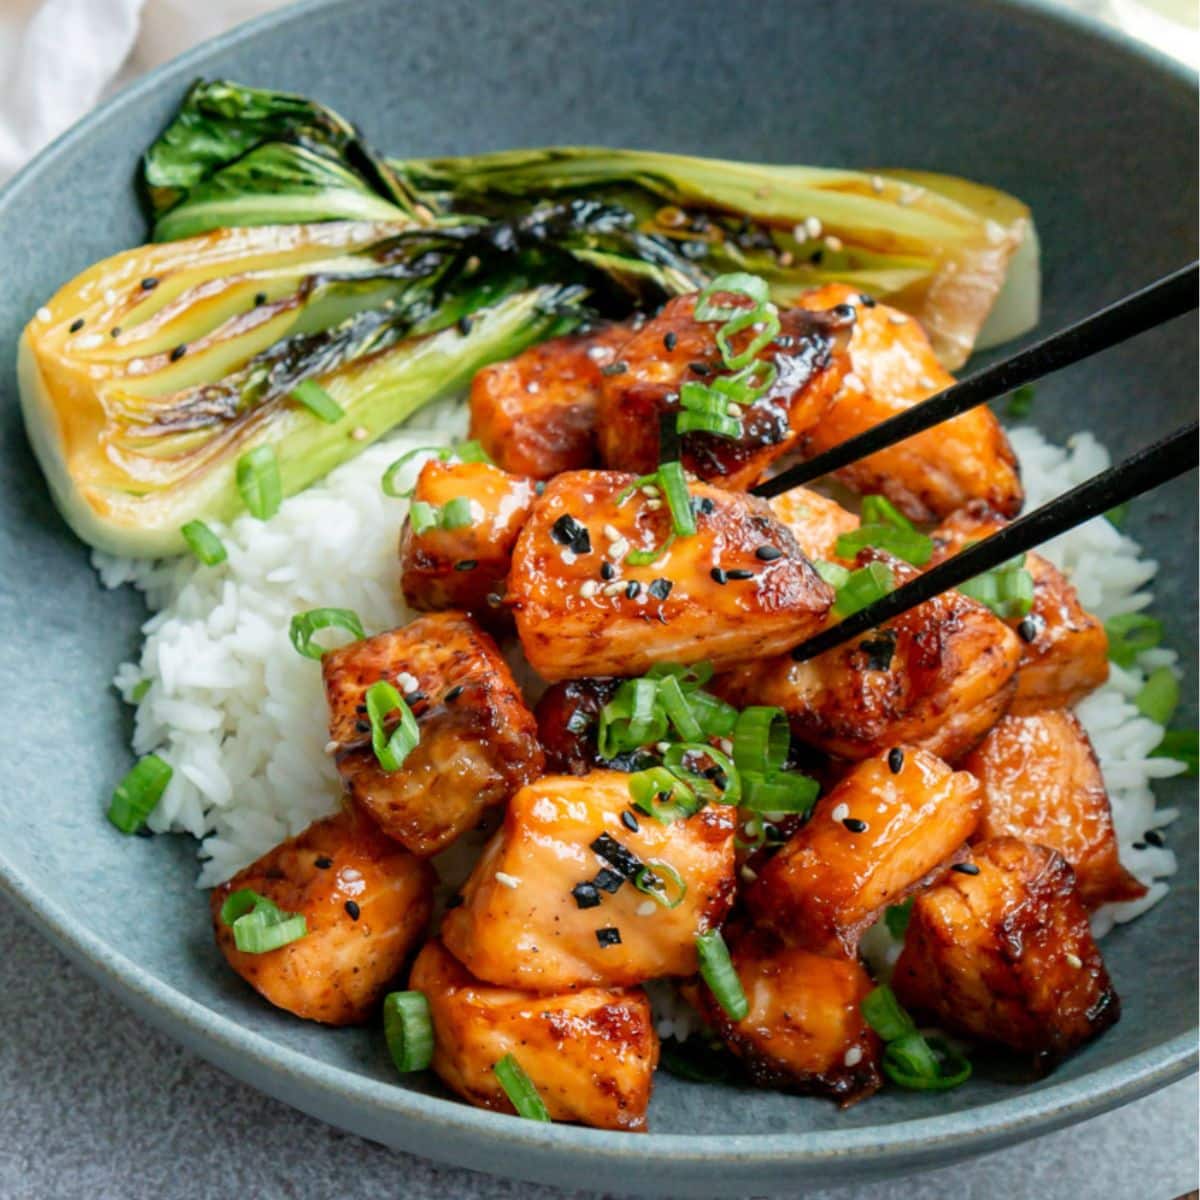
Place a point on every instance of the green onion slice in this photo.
(305, 625)
(467, 452)
(863, 587)
(408, 1028)
(391, 750)
(764, 319)
(692, 422)
(643, 558)
(678, 709)
(456, 513)
(1183, 745)
(1007, 589)
(203, 543)
(761, 739)
(707, 308)
(879, 510)
(674, 487)
(260, 925)
(1159, 697)
(423, 517)
(661, 882)
(896, 918)
(778, 792)
(519, 1089)
(1020, 402)
(136, 796)
(924, 1064)
(908, 544)
(715, 716)
(259, 482)
(318, 401)
(631, 718)
(1129, 634)
(729, 791)
(660, 794)
(884, 1014)
(832, 573)
(692, 676)
(716, 969)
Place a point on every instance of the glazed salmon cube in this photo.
(553, 902)
(567, 716)
(938, 676)
(641, 392)
(892, 822)
(1006, 955)
(816, 521)
(1041, 782)
(366, 903)
(536, 413)
(893, 367)
(1064, 649)
(738, 588)
(478, 740)
(805, 1031)
(465, 566)
(590, 1053)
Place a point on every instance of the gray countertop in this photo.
(95, 1104)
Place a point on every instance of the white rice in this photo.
(240, 716)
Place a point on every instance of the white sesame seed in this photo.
(877, 183)
(407, 683)
(898, 319)
(853, 1056)
(841, 812)
(994, 232)
(853, 381)
(1073, 960)
(612, 589)
(43, 314)
(833, 243)
(646, 908)
(733, 408)
(749, 874)
(725, 745)
(360, 433)
(532, 387)
(568, 555)
(331, 747)
(649, 489)
(89, 341)
(110, 296)
(612, 533)
(135, 366)
(813, 227)
(909, 193)
(509, 881)
(928, 383)
(598, 353)
(662, 747)
(588, 588)
(653, 505)
(619, 549)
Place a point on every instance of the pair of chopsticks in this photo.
(1170, 297)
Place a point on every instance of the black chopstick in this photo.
(1156, 464)
(1171, 296)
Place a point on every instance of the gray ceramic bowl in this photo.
(1097, 136)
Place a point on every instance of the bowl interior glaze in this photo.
(1097, 137)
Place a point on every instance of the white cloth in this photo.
(59, 57)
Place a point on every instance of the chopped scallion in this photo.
(923, 1064)
(203, 543)
(318, 401)
(392, 749)
(716, 968)
(1020, 402)
(1007, 589)
(778, 792)
(305, 625)
(135, 797)
(259, 925)
(259, 482)
(661, 882)
(896, 918)
(1159, 697)
(883, 1013)
(1129, 634)
(675, 490)
(761, 739)
(520, 1090)
(408, 1028)
(909, 544)
(660, 794)
(863, 587)
(720, 783)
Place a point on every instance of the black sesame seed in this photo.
(75, 325)
(149, 283)
(608, 881)
(585, 895)
(360, 708)
(607, 571)
(115, 331)
(539, 487)
(705, 505)
(466, 564)
(660, 589)
(845, 312)
(615, 368)
(415, 697)
(700, 368)
(855, 825)
(1154, 837)
(768, 553)
(895, 760)
(177, 353)
(816, 256)
(718, 575)
(670, 340)
(323, 863)
(632, 588)
(1139, 845)
(260, 298)
(464, 324)
(567, 531)
(630, 821)
(363, 726)
(454, 693)
(866, 301)
(353, 910)
(739, 573)
(965, 868)
(1029, 628)
(621, 858)
(879, 650)
(608, 936)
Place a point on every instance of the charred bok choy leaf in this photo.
(149, 377)
(959, 256)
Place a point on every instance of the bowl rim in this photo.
(250, 1056)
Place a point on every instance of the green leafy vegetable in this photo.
(1183, 745)
(1020, 403)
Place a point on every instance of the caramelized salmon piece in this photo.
(1064, 650)
(1041, 782)
(1006, 955)
(590, 1053)
(641, 392)
(463, 567)
(552, 903)
(738, 588)
(566, 716)
(478, 740)
(890, 824)
(938, 676)
(893, 367)
(536, 414)
(816, 521)
(805, 1031)
(366, 903)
